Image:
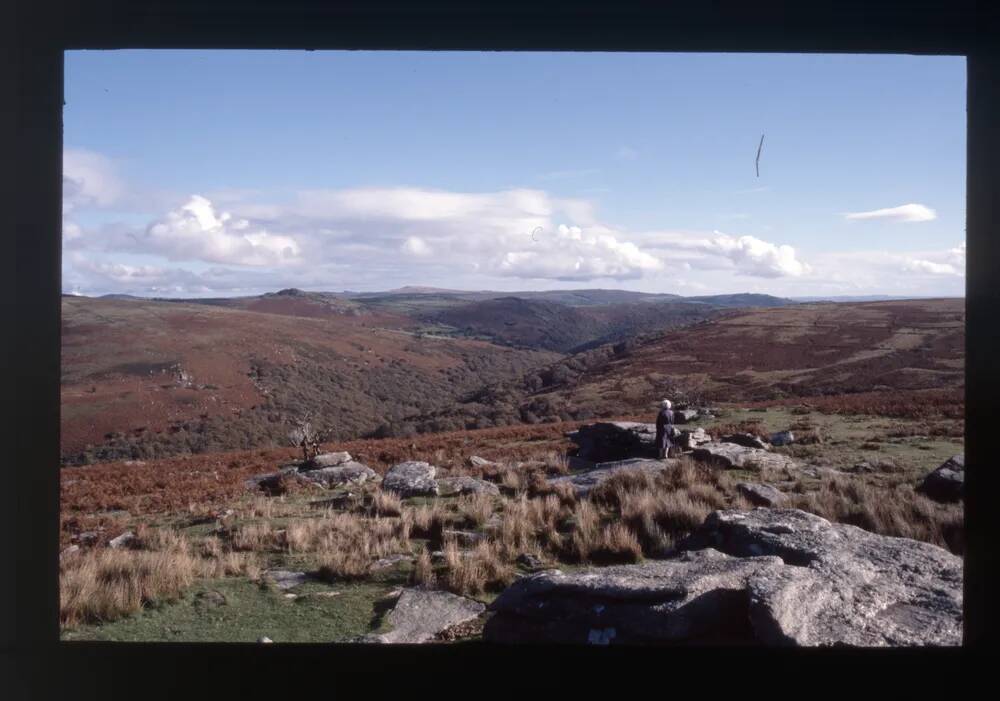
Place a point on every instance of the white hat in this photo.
(666, 403)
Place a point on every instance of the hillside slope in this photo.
(145, 378)
(744, 356)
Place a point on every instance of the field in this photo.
(177, 507)
(170, 407)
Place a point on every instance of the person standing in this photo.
(664, 427)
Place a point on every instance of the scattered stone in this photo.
(348, 473)
(126, 539)
(947, 482)
(271, 479)
(530, 561)
(477, 461)
(819, 472)
(584, 481)
(747, 440)
(264, 639)
(72, 549)
(683, 416)
(291, 596)
(690, 439)
(411, 478)
(863, 467)
(210, 599)
(782, 438)
(286, 579)
(761, 494)
(472, 628)
(390, 561)
(88, 537)
(419, 615)
(451, 486)
(733, 456)
(330, 459)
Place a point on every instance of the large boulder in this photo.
(842, 585)
(349, 472)
(768, 576)
(421, 614)
(947, 482)
(733, 456)
(463, 484)
(584, 481)
(619, 440)
(271, 479)
(411, 478)
(697, 597)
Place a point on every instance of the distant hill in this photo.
(801, 350)
(745, 299)
(142, 378)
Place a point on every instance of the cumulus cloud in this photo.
(195, 231)
(573, 253)
(950, 262)
(752, 256)
(416, 246)
(903, 213)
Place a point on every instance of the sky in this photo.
(227, 173)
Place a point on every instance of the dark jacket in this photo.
(663, 419)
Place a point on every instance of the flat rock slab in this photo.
(347, 473)
(761, 494)
(947, 482)
(693, 438)
(842, 585)
(683, 416)
(419, 615)
(733, 456)
(585, 481)
(747, 440)
(411, 478)
(767, 576)
(477, 461)
(452, 486)
(699, 596)
(331, 459)
(286, 579)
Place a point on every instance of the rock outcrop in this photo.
(767, 576)
(618, 440)
(349, 472)
(419, 615)
(733, 456)
(747, 440)
(782, 438)
(947, 482)
(586, 480)
(411, 478)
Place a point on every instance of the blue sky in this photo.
(192, 173)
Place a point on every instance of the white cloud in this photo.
(752, 256)
(903, 213)
(416, 246)
(195, 231)
(930, 267)
(574, 253)
(89, 179)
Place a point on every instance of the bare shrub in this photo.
(423, 570)
(105, 584)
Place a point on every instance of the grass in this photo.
(195, 547)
